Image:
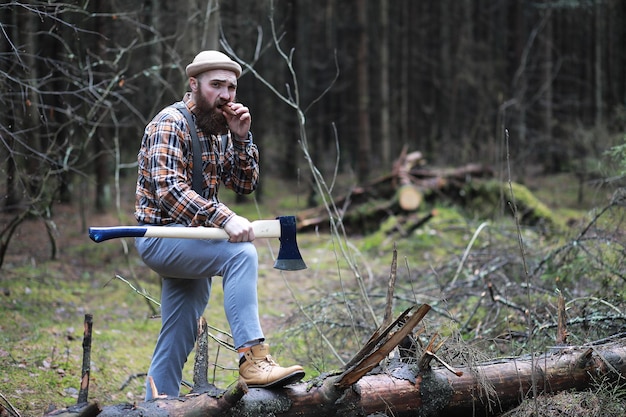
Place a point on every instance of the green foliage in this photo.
(429, 239)
(618, 155)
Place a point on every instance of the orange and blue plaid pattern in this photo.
(164, 194)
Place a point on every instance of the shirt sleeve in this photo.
(241, 166)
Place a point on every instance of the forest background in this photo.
(81, 80)
(531, 89)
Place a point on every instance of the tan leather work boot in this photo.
(258, 370)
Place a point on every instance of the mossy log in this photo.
(490, 198)
(401, 389)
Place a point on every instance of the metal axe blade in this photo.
(289, 258)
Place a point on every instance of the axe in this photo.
(284, 228)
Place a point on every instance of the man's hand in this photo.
(238, 118)
(239, 229)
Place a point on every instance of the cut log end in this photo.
(409, 197)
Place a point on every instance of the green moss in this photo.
(492, 199)
(426, 238)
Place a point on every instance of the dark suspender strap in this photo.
(224, 143)
(196, 179)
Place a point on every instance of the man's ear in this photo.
(193, 83)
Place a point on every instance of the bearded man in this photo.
(167, 195)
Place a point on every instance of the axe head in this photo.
(289, 258)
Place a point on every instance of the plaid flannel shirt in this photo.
(164, 194)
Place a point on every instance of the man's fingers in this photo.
(239, 229)
(237, 110)
(228, 110)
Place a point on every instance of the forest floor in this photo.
(43, 301)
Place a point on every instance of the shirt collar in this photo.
(189, 102)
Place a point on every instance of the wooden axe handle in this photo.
(262, 229)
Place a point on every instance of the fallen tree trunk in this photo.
(486, 389)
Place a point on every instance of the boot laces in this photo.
(265, 362)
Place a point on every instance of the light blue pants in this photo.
(187, 267)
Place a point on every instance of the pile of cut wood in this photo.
(400, 193)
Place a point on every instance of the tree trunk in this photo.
(364, 145)
(385, 112)
(484, 389)
(12, 195)
(101, 137)
(9, 117)
(547, 80)
(598, 73)
(445, 69)
(31, 105)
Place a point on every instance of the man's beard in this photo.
(210, 118)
